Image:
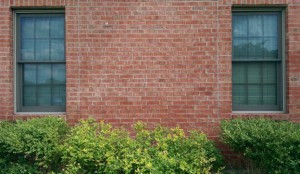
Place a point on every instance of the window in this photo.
(40, 62)
(257, 61)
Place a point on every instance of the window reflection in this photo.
(42, 44)
(255, 37)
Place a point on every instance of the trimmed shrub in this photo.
(32, 145)
(97, 148)
(46, 145)
(165, 150)
(274, 146)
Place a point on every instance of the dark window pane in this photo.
(269, 95)
(270, 25)
(44, 74)
(44, 95)
(57, 49)
(42, 27)
(59, 74)
(270, 72)
(240, 26)
(254, 73)
(59, 95)
(256, 48)
(254, 94)
(239, 73)
(27, 27)
(27, 49)
(271, 48)
(258, 74)
(57, 27)
(29, 97)
(29, 74)
(240, 48)
(42, 49)
(239, 94)
(255, 26)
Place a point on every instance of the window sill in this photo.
(258, 112)
(40, 113)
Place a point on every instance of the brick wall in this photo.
(157, 61)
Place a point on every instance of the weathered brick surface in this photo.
(157, 61)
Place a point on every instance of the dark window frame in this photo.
(19, 106)
(281, 87)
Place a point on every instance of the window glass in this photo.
(255, 26)
(42, 50)
(29, 96)
(57, 49)
(27, 49)
(270, 25)
(44, 74)
(256, 67)
(255, 36)
(240, 26)
(56, 23)
(58, 74)
(30, 74)
(44, 96)
(239, 93)
(59, 95)
(41, 62)
(42, 27)
(27, 27)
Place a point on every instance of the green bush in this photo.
(97, 148)
(32, 145)
(46, 145)
(166, 150)
(274, 146)
(8, 167)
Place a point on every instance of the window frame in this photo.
(281, 70)
(18, 93)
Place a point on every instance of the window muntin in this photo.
(257, 61)
(41, 69)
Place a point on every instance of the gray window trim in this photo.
(18, 108)
(282, 71)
